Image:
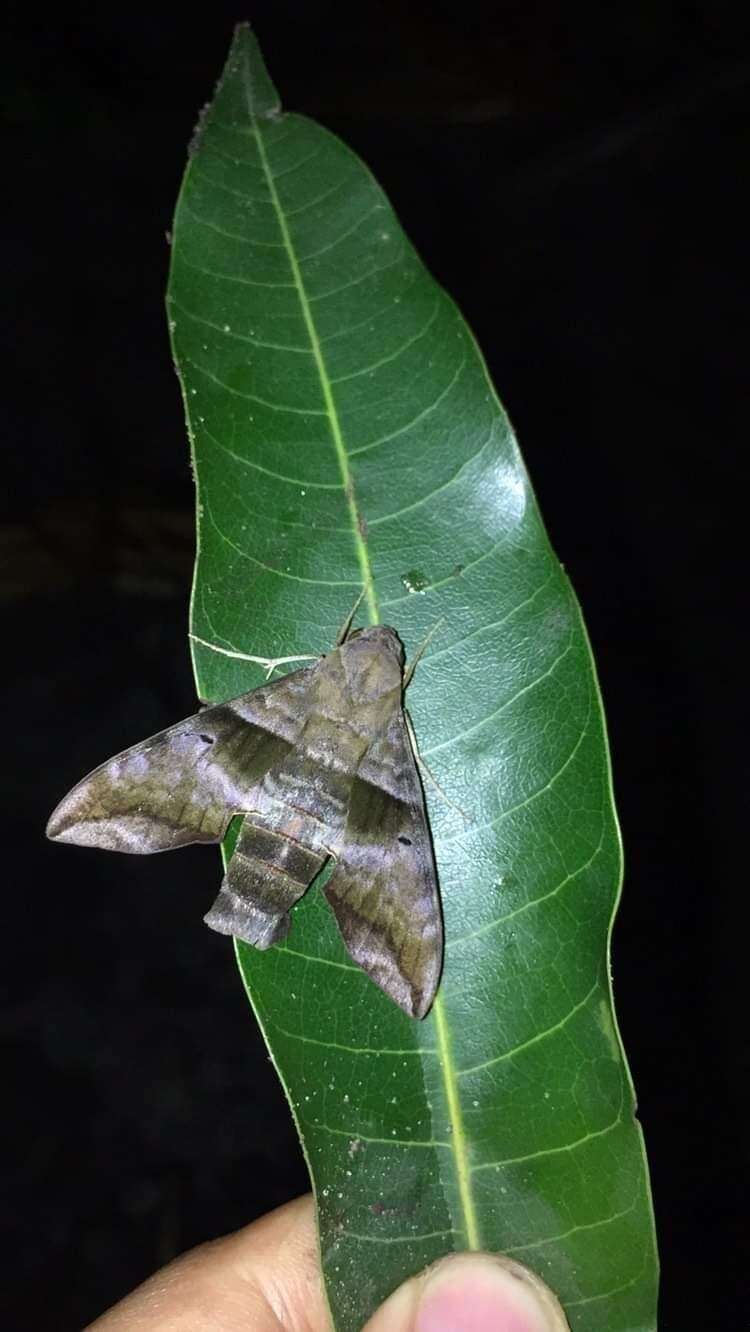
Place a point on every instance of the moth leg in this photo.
(420, 650)
(267, 874)
(343, 632)
(423, 768)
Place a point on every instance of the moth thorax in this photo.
(373, 677)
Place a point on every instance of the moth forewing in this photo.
(320, 764)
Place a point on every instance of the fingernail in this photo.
(483, 1293)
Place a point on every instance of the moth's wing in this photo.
(384, 890)
(185, 784)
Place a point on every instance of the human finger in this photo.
(264, 1278)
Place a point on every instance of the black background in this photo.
(574, 177)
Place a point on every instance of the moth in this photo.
(321, 765)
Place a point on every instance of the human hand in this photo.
(266, 1278)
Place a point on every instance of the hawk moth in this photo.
(321, 764)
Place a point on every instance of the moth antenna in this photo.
(343, 633)
(428, 774)
(412, 664)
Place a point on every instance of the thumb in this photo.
(474, 1292)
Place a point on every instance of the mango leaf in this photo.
(345, 436)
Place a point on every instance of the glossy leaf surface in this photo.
(345, 436)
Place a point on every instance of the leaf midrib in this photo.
(459, 1146)
(363, 557)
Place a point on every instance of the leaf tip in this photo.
(245, 60)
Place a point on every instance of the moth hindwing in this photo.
(321, 765)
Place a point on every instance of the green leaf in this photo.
(345, 435)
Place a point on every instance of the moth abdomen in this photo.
(267, 874)
(280, 853)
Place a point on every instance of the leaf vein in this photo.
(396, 1239)
(486, 628)
(347, 1049)
(231, 336)
(492, 716)
(533, 1040)
(386, 360)
(273, 176)
(549, 1151)
(574, 1230)
(253, 397)
(221, 185)
(337, 436)
(313, 203)
(446, 485)
(535, 795)
(533, 902)
(269, 568)
(607, 1294)
(458, 1143)
(232, 277)
(322, 961)
(362, 1137)
(231, 235)
(355, 282)
(325, 249)
(277, 476)
(346, 330)
(426, 411)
